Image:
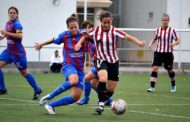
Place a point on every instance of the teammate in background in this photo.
(107, 63)
(91, 78)
(166, 39)
(56, 62)
(73, 66)
(15, 52)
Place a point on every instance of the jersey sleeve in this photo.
(59, 39)
(156, 34)
(174, 35)
(119, 33)
(17, 26)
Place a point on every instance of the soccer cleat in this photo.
(37, 94)
(49, 109)
(108, 102)
(99, 109)
(44, 100)
(2, 92)
(151, 89)
(173, 89)
(83, 101)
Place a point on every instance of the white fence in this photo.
(128, 53)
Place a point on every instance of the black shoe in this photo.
(2, 92)
(99, 110)
(37, 94)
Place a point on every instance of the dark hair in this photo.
(12, 7)
(166, 15)
(72, 18)
(105, 14)
(87, 23)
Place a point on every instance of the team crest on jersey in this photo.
(10, 41)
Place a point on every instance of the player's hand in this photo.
(172, 44)
(150, 45)
(38, 46)
(77, 46)
(3, 32)
(2, 37)
(141, 43)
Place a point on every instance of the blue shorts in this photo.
(94, 71)
(68, 70)
(20, 62)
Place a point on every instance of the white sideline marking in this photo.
(91, 106)
(30, 101)
(158, 114)
(18, 100)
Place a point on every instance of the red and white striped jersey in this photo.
(164, 38)
(106, 43)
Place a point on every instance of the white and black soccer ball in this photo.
(118, 106)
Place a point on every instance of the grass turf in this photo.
(162, 105)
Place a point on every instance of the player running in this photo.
(91, 78)
(73, 66)
(15, 52)
(105, 38)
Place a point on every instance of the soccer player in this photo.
(15, 52)
(166, 39)
(91, 78)
(73, 66)
(107, 63)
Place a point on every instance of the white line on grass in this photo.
(18, 100)
(30, 101)
(92, 106)
(158, 114)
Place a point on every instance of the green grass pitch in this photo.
(160, 106)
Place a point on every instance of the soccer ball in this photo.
(118, 106)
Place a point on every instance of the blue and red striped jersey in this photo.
(14, 45)
(70, 56)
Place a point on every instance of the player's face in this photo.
(165, 21)
(73, 28)
(106, 23)
(12, 14)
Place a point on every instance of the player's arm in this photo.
(134, 40)
(17, 35)
(38, 46)
(151, 43)
(80, 42)
(176, 42)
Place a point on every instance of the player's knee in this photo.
(73, 80)
(24, 73)
(103, 79)
(155, 69)
(76, 97)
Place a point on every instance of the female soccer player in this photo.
(91, 78)
(167, 39)
(15, 52)
(73, 66)
(107, 63)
